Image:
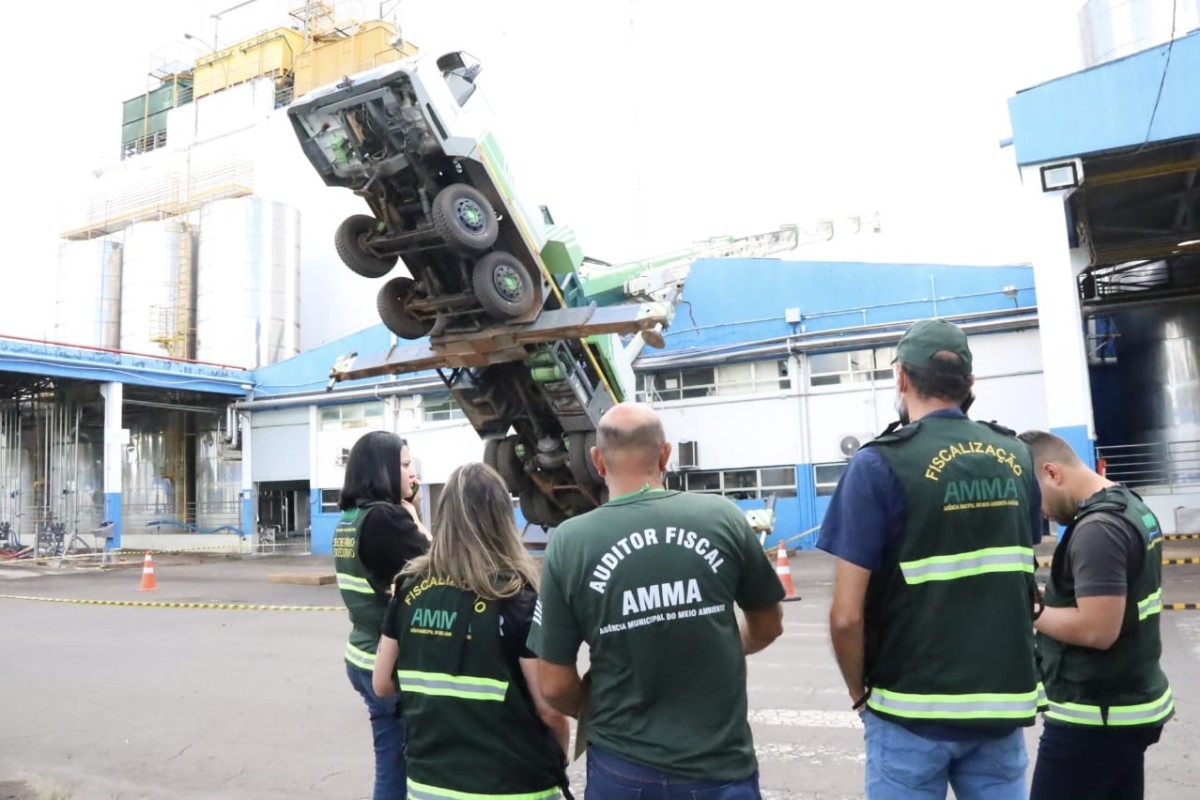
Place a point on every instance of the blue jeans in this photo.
(387, 728)
(610, 777)
(904, 766)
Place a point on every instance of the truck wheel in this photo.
(464, 218)
(509, 465)
(502, 285)
(579, 460)
(350, 241)
(537, 508)
(392, 305)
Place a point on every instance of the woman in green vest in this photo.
(378, 533)
(454, 642)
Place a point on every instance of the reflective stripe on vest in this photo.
(423, 791)
(1140, 714)
(350, 583)
(360, 658)
(1150, 606)
(443, 684)
(956, 706)
(968, 564)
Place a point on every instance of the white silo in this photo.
(155, 305)
(87, 310)
(248, 282)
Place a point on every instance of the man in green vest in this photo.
(1098, 638)
(933, 525)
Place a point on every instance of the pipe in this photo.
(735, 349)
(793, 346)
(329, 398)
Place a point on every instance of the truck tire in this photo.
(464, 218)
(502, 286)
(510, 468)
(579, 460)
(349, 239)
(537, 508)
(392, 305)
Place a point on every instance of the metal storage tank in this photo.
(248, 282)
(87, 310)
(1112, 29)
(155, 257)
(16, 476)
(1158, 360)
(218, 486)
(153, 473)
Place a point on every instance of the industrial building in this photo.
(185, 401)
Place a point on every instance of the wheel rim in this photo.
(507, 282)
(470, 215)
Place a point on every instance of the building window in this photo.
(851, 366)
(738, 484)
(826, 477)
(441, 408)
(329, 500)
(358, 415)
(752, 377)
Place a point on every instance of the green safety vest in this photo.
(363, 595)
(949, 624)
(1123, 685)
(473, 732)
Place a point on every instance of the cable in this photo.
(1162, 81)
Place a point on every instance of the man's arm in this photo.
(761, 627)
(1096, 623)
(561, 686)
(1103, 552)
(846, 626)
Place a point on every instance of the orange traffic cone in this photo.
(784, 570)
(149, 582)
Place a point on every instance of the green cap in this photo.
(925, 339)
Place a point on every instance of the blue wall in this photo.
(740, 300)
(1110, 106)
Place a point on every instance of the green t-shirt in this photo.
(649, 581)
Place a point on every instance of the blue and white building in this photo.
(183, 399)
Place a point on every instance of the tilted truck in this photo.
(531, 341)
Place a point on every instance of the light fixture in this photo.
(1060, 176)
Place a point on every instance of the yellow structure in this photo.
(299, 64)
(271, 54)
(329, 59)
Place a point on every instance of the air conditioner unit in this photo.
(689, 456)
(850, 443)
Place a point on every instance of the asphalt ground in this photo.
(101, 702)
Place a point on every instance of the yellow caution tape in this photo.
(1170, 536)
(167, 604)
(1044, 563)
(1181, 606)
(790, 539)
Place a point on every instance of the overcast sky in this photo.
(644, 124)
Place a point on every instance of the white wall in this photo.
(739, 431)
(807, 425)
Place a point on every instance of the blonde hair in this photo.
(475, 540)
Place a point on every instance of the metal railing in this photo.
(1154, 467)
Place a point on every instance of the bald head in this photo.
(630, 439)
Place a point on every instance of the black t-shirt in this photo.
(1104, 551)
(516, 618)
(388, 539)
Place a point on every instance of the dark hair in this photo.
(938, 383)
(1046, 447)
(373, 470)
